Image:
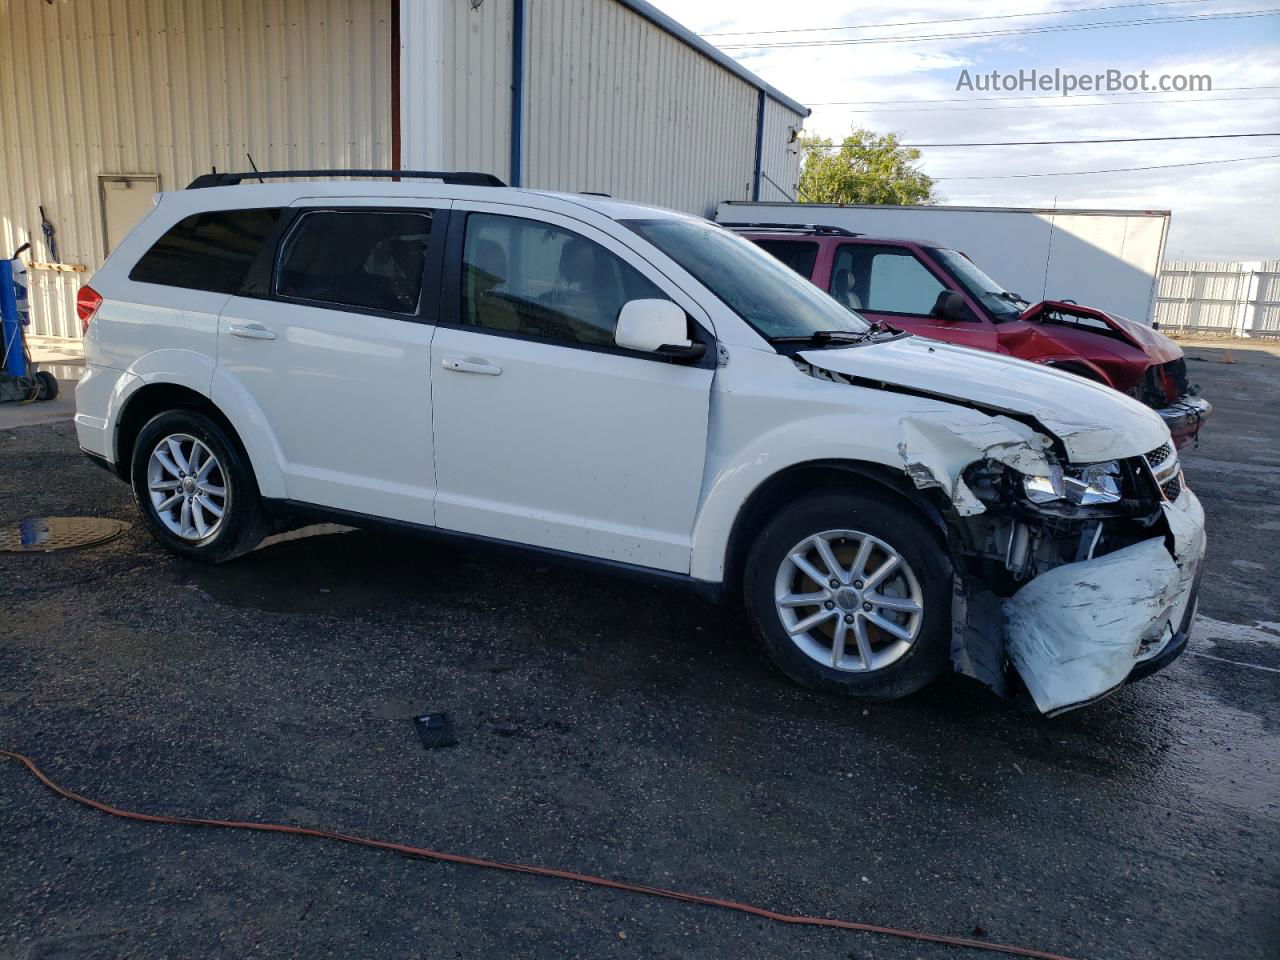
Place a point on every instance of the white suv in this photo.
(645, 390)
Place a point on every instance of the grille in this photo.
(1159, 455)
(1173, 486)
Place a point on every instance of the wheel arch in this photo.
(805, 479)
(156, 398)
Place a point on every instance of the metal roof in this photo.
(685, 35)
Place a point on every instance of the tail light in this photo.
(88, 300)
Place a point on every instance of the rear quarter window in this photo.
(207, 251)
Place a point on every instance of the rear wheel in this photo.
(195, 489)
(851, 594)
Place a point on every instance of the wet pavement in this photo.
(610, 728)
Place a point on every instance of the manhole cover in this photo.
(42, 534)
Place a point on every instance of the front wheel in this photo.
(195, 489)
(850, 594)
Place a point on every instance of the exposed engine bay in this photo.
(1075, 558)
(1091, 569)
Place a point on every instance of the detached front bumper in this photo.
(1082, 630)
(1184, 418)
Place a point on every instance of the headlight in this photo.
(1098, 483)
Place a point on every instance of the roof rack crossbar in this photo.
(814, 228)
(462, 178)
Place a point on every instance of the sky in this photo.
(1220, 212)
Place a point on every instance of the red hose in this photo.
(537, 871)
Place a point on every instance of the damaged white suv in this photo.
(645, 390)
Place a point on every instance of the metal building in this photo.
(108, 101)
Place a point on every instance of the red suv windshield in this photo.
(999, 302)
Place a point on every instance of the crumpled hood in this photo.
(1152, 342)
(1157, 347)
(1093, 422)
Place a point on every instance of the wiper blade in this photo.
(826, 336)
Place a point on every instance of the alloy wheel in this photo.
(187, 487)
(849, 600)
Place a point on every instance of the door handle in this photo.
(471, 365)
(250, 331)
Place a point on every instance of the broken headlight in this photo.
(1092, 485)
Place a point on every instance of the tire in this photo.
(885, 526)
(198, 533)
(48, 384)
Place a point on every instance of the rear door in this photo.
(893, 285)
(332, 345)
(546, 433)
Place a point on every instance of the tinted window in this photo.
(207, 251)
(883, 280)
(799, 256)
(367, 259)
(755, 286)
(522, 276)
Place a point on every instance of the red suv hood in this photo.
(1158, 347)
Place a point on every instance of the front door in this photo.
(546, 433)
(335, 354)
(892, 285)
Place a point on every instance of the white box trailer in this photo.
(1108, 259)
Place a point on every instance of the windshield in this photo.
(1000, 303)
(764, 292)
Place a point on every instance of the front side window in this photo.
(366, 259)
(207, 251)
(768, 295)
(883, 280)
(533, 279)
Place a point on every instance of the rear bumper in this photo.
(1185, 417)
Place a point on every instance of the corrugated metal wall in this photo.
(173, 87)
(477, 87)
(617, 105)
(1240, 298)
(779, 156)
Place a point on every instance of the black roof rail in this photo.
(461, 178)
(814, 228)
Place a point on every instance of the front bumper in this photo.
(1082, 630)
(1185, 417)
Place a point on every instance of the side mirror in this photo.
(656, 326)
(950, 306)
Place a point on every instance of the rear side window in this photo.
(800, 256)
(368, 260)
(207, 251)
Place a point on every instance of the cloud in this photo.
(1223, 212)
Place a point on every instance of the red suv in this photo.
(926, 289)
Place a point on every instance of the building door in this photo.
(124, 199)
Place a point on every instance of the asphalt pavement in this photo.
(610, 728)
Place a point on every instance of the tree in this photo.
(865, 168)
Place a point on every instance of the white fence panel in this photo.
(1233, 298)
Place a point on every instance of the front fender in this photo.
(933, 443)
(1065, 361)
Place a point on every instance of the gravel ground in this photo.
(610, 728)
